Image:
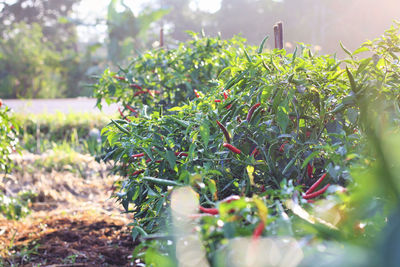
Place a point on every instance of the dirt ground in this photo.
(73, 220)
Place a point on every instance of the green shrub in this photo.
(8, 138)
(315, 116)
(165, 78)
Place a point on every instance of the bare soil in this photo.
(73, 221)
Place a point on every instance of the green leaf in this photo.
(205, 133)
(171, 158)
(261, 47)
(352, 115)
(282, 118)
(155, 258)
(159, 181)
(345, 50)
(310, 157)
(360, 50)
(352, 81)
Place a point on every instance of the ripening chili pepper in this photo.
(255, 152)
(119, 78)
(140, 93)
(316, 184)
(136, 86)
(310, 170)
(137, 172)
(212, 211)
(217, 100)
(1, 103)
(131, 108)
(258, 230)
(157, 161)
(196, 93)
(251, 111)
(138, 155)
(224, 131)
(316, 193)
(181, 154)
(225, 96)
(262, 188)
(232, 148)
(282, 147)
(238, 119)
(230, 199)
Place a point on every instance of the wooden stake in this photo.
(276, 35)
(280, 31)
(161, 37)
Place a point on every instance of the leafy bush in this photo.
(289, 119)
(168, 77)
(8, 137)
(14, 208)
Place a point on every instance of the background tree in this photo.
(127, 32)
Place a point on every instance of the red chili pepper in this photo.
(157, 92)
(251, 111)
(310, 170)
(140, 93)
(224, 131)
(120, 112)
(232, 148)
(258, 230)
(157, 161)
(131, 108)
(119, 78)
(255, 152)
(196, 93)
(262, 188)
(225, 96)
(135, 86)
(181, 154)
(149, 92)
(138, 155)
(316, 184)
(308, 134)
(137, 172)
(228, 106)
(217, 100)
(316, 193)
(212, 211)
(230, 199)
(122, 115)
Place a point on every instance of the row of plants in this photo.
(272, 143)
(41, 132)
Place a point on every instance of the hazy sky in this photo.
(88, 10)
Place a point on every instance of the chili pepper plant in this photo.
(274, 130)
